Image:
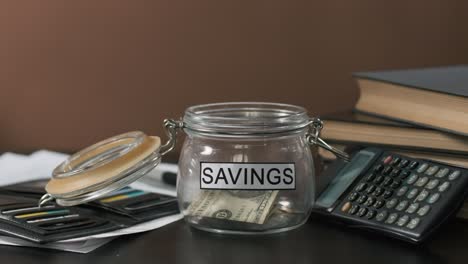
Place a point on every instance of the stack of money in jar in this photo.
(225, 205)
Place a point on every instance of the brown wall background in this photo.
(73, 72)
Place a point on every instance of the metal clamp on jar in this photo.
(245, 168)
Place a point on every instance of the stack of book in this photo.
(421, 113)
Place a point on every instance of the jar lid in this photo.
(104, 167)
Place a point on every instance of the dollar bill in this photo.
(222, 204)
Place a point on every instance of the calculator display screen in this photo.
(344, 178)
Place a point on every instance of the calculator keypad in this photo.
(400, 192)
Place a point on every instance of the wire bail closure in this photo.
(171, 128)
(313, 138)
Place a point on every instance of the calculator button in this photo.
(402, 205)
(403, 163)
(361, 187)
(391, 203)
(412, 179)
(432, 184)
(413, 223)
(378, 168)
(413, 165)
(412, 208)
(379, 179)
(381, 216)
(378, 191)
(433, 198)
(346, 207)
(395, 173)
(424, 210)
(422, 167)
(371, 177)
(387, 181)
(362, 199)
(395, 184)
(387, 160)
(387, 194)
(392, 218)
(370, 201)
(421, 181)
(379, 204)
(402, 191)
(444, 186)
(353, 196)
(454, 175)
(362, 212)
(353, 209)
(405, 174)
(370, 189)
(411, 194)
(387, 170)
(395, 161)
(422, 195)
(402, 220)
(432, 170)
(371, 214)
(442, 173)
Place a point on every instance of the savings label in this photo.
(247, 176)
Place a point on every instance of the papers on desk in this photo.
(16, 168)
(83, 246)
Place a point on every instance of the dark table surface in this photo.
(316, 242)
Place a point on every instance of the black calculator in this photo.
(398, 196)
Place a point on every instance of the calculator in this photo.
(391, 194)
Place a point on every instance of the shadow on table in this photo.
(318, 242)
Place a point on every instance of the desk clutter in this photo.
(248, 168)
(21, 217)
(124, 211)
(419, 113)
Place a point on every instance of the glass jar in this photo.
(261, 145)
(245, 168)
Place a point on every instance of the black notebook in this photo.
(431, 97)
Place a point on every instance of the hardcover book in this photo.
(432, 97)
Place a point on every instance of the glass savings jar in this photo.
(245, 168)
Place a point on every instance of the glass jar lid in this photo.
(102, 168)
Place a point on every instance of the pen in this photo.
(169, 178)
